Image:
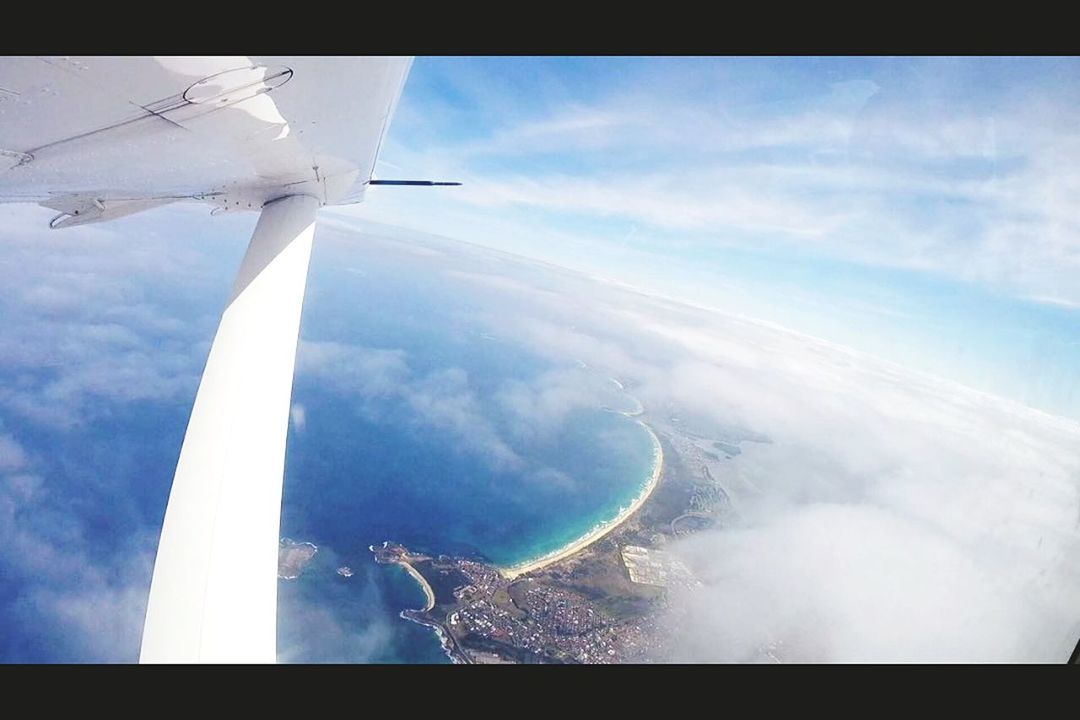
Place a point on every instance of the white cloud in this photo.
(894, 516)
(353, 368)
(99, 618)
(443, 400)
(314, 629)
(324, 636)
(958, 167)
(96, 320)
(121, 312)
(856, 583)
(81, 605)
(540, 406)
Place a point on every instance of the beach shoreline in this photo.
(424, 585)
(603, 529)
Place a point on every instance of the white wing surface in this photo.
(235, 131)
(98, 138)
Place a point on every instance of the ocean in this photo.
(416, 428)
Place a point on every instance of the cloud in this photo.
(368, 372)
(76, 601)
(101, 618)
(121, 312)
(891, 516)
(325, 638)
(442, 400)
(551, 477)
(853, 583)
(963, 168)
(313, 628)
(103, 325)
(538, 408)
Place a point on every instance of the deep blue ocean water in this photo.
(365, 468)
(360, 470)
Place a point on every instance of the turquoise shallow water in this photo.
(366, 463)
(394, 460)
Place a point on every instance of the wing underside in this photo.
(100, 137)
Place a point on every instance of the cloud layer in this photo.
(894, 516)
(105, 333)
(960, 167)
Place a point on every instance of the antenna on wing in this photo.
(425, 183)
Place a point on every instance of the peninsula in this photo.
(597, 599)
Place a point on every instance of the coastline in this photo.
(446, 640)
(602, 529)
(428, 592)
(289, 543)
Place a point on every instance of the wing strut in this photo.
(213, 597)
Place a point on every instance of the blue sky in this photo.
(920, 209)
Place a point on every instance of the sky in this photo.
(920, 209)
(916, 215)
(891, 517)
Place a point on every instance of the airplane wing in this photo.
(81, 133)
(97, 138)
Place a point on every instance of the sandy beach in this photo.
(603, 529)
(423, 584)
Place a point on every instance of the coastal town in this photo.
(485, 617)
(598, 599)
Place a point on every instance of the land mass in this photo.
(293, 557)
(596, 600)
(601, 530)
